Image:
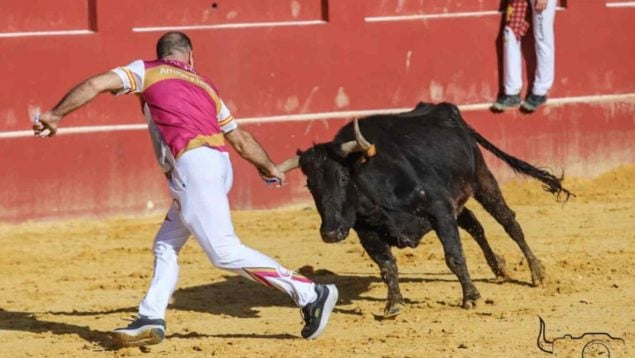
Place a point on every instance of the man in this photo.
(189, 124)
(543, 16)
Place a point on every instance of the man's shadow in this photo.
(27, 322)
(528, 50)
(235, 296)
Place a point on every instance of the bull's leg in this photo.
(446, 228)
(468, 222)
(379, 251)
(489, 195)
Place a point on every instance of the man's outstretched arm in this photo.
(75, 98)
(247, 147)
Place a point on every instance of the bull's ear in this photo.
(299, 152)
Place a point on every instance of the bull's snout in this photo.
(331, 236)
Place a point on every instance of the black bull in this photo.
(393, 178)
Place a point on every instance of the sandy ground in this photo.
(66, 284)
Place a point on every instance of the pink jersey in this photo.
(182, 108)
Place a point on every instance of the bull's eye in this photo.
(343, 180)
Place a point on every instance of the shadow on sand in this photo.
(235, 296)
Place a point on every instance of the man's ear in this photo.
(190, 59)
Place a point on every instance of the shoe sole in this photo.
(528, 108)
(501, 108)
(331, 300)
(143, 337)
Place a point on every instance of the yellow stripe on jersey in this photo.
(131, 79)
(214, 140)
(166, 72)
(226, 121)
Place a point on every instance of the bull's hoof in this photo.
(537, 274)
(469, 300)
(469, 304)
(394, 310)
(499, 269)
(537, 281)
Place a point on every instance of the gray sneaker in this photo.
(532, 102)
(505, 101)
(143, 331)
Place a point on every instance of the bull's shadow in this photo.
(239, 297)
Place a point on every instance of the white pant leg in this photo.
(512, 63)
(167, 244)
(543, 27)
(206, 176)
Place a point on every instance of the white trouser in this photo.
(200, 183)
(542, 25)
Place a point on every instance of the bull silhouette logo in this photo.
(588, 345)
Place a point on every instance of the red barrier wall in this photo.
(293, 71)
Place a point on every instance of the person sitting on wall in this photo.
(543, 16)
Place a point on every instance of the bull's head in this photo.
(327, 168)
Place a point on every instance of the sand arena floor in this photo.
(66, 284)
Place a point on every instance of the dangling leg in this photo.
(512, 63)
(543, 27)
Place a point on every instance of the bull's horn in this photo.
(360, 144)
(289, 164)
(350, 147)
(359, 137)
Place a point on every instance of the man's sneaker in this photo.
(316, 314)
(143, 331)
(532, 102)
(505, 101)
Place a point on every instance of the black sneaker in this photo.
(143, 331)
(532, 102)
(505, 101)
(316, 314)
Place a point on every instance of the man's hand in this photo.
(541, 5)
(248, 147)
(273, 176)
(45, 124)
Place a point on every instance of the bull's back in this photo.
(430, 142)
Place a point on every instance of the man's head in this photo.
(175, 45)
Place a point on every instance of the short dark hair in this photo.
(172, 43)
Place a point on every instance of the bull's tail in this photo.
(550, 182)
